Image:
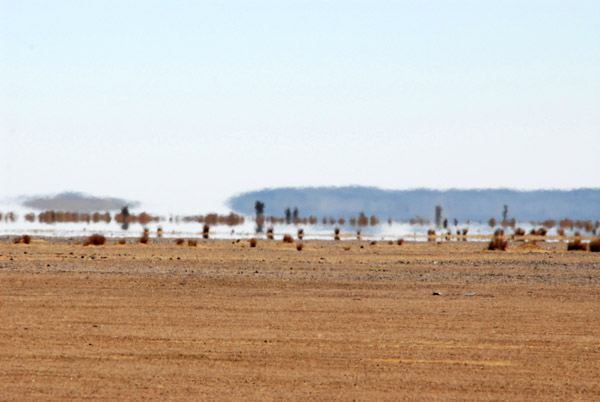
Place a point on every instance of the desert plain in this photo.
(338, 320)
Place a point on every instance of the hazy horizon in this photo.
(189, 103)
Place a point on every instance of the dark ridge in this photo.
(77, 202)
(476, 205)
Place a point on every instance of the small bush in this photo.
(576, 245)
(497, 243)
(431, 235)
(95, 240)
(541, 232)
(400, 242)
(144, 239)
(358, 234)
(270, 233)
(560, 232)
(595, 246)
(122, 241)
(205, 231)
(192, 242)
(253, 242)
(159, 232)
(288, 239)
(299, 246)
(179, 242)
(337, 231)
(300, 234)
(25, 239)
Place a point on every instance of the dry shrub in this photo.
(205, 231)
(25, 239)
(497, 243)
(288, 239)
(358, 234)
(431, 235)
(299, 246)
(253, 242)
(519, 232)
(560, 232)
(122, 241)
(541, 232)
(179, 242)
(192, 242)
(95, 240)
(576, 245)
(270, 233)
(300, 234)
(373, 243)
(595, 245)
(144, 239)
(159, 232)
(400, 242)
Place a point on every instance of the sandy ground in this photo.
(336, 321)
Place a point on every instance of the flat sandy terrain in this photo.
(336, 321)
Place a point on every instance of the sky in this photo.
(182, 104)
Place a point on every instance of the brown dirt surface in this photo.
(336, 321)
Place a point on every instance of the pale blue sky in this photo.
(184, 103)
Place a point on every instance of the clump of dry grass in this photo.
(576, 245)
(498, 243)
(95, 240)
(431, 235)
(288, 239)
(560, 232)
(400, 242)
(253, 242)
(595, 245)
(192, 242)
(122, 241)
(538, 232)
(144, 239)
(179, 242)
(373, 243)
(519, 232)
(25, 239)
(299, 246)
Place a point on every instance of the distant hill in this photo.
(475, 205)
(77, 202)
